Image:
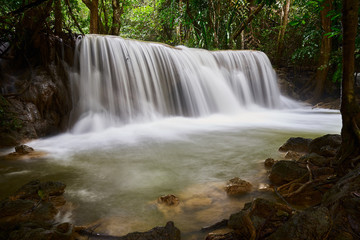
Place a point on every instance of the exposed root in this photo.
(297, 186)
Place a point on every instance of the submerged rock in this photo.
(237, 186)
(296, 144)
(169, 200)
(285, 171)
(30, 212)
(269, 162)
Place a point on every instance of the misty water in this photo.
(175, 121)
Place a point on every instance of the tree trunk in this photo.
(284, 22)
(349, 152)
(325, 51)
(58, 16)
(93, 7)
(117, 12)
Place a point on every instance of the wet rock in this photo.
(269, 162)
(259, 219)
(313, 223)
(285, 171)
(237, 186)
(293, 155)
(23, 152)
(315, 159)
(31, 212)
(39, 106)
(296, 144)
(169, 200)
(63, 231)
(36, 190)
(23, 149)
(223, 236)
(326, 146)
(169, 232)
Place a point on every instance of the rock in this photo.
(237, 186)
(296, 144)
(326, 146)
(343, 201)
(285, 171)
(169, 232)
(63, 231)
(223, 236)
(311, 224)
(23, 149)
(23, 153)
(36, 190)
(315, 159)
(259, 219)
(169, 200)
(293, 155)
(31, 211)
(269, 162)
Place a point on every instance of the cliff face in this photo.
(35, 95)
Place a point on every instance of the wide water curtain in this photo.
(127, 81)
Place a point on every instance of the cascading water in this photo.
(125, 81)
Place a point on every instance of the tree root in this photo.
(298, 185)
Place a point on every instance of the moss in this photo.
(8, 120)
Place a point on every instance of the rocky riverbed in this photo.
(313, 202)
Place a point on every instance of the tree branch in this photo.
(26, 7)
(73, 17)
(248, 20)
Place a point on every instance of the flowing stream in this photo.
(151, 120)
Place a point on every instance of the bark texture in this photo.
(349, 152)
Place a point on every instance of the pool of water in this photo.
(115, 175)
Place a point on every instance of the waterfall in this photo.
(126, 81)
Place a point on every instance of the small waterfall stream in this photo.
(121, 81)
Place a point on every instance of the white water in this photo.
(127, 81)
(151, 120)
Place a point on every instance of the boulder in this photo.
(285, 171)
(315, 159)
(259, 219)
(326, 146)
(23, 149)
(311, 224)
(237, 186)
(296, 144)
